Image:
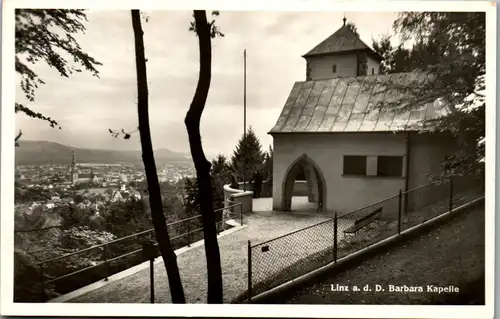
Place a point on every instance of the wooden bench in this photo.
(364, 221)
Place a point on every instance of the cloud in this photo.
(87, 106)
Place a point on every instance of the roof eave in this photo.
(376, 56)
(373, 53)
(341, 132)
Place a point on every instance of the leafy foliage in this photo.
(122, 132)
(125, 218)
(81, 237)
(28, 196)
(73, 216)
(352, 27)
(448, 47)
(191, 204)
(18, 136)
(33, 247)
(82, 228)
(26, 277)
(221, 175)
(48, 35)
(214, 30)
(191, 199)
(28, 219)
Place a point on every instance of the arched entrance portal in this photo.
(304, 187)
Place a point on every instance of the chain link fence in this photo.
(368, 225)
(424, 203)
(290, 256)
(282, 259)
(465, 188)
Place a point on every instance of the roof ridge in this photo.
(342, 40)
(362, 76)
(376, 123)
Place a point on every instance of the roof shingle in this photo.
(355, 104)
(343, 40)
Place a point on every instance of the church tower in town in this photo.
(73, 174)
(342, 54)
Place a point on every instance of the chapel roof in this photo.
(343, 40)
(354, 104)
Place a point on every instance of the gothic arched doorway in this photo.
(304, 187)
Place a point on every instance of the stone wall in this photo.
(233, 196)
(299, 189)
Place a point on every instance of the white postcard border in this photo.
(241, 310)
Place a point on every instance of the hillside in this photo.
(43, 152)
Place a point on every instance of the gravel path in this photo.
(452, 254)
(261, 226)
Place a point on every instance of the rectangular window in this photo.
(373, 71)
(390, 166)
(354, 165)
(371, 166)
(334, 68)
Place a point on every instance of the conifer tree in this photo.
(191, 205)
(268, 165)
(220, 174)
(247, 157)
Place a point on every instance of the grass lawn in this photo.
(451, 254)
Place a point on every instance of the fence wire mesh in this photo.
(466, 188)
(284, 258)
(367, 226)
(83, 267)
(287, 257)
(424, 203)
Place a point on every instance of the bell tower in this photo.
(342, 54)
(73, 174)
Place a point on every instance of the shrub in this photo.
(27, 286)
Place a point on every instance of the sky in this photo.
(87, 106)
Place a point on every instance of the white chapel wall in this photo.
(372, 64)
(344, 194)
(322, 67)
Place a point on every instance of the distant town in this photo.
(87, 185)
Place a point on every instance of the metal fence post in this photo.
(241, 215)
(335, 233)
(451, 195)
(400, 197)
(405, 203)
(42, 283)
(188, 234)
(249, 271)
(152, 279)
(105, 255)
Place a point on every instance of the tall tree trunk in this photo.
(201, 163)
(155, 200)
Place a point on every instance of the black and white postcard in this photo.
(262, 158)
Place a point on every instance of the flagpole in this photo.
(244, 118)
